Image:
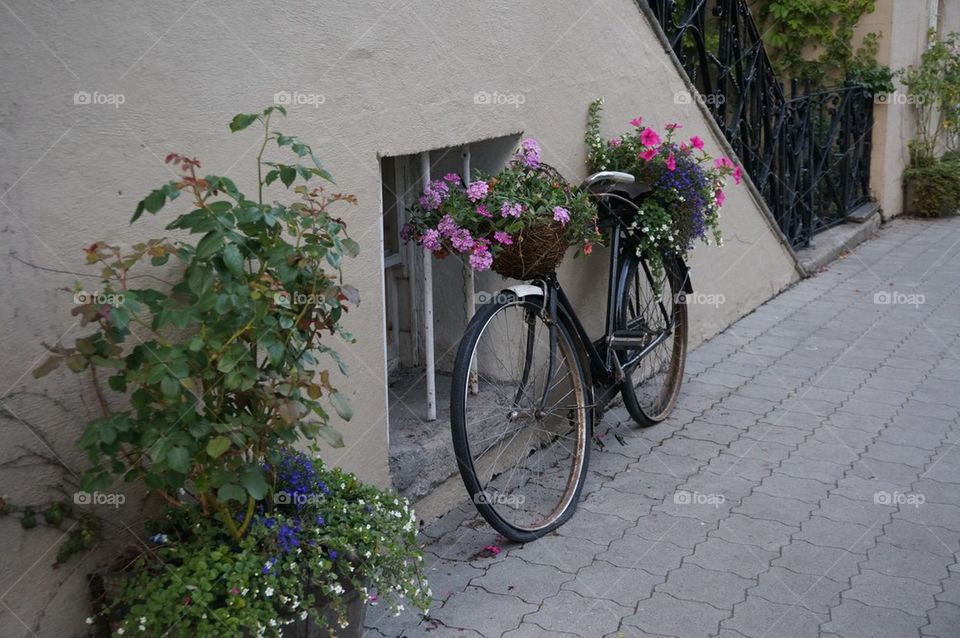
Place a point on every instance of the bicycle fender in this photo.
(524, 290)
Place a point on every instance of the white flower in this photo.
(121, 631)
(268, 592)
(272, 622)
(303, 615)
(89, 620)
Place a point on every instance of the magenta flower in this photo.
(636, 122)
(447, 226)
(673, 126)
(434, 195)
(671, 163)
(529, 153)
(649, 154)
(503, 237)
(510, 210)
(615, 142)
(720, 197)
(561, 215)
(737, 175)
(462, 240)
(431, 240)
(722, 162)
(483, 211)
(481, 260)
(649, 137)
(451, 177)
(697, 142)
(477, 190)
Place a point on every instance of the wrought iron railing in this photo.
(808, 152)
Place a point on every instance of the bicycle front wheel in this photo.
(653, 303)
(521, 435)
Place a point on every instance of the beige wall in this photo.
(396, 78)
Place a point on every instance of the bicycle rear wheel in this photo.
(652, 302)
(522, 451)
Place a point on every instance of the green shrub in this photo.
(936, 187)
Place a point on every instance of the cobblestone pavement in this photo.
(828, 421)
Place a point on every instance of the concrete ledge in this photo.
(833, 242)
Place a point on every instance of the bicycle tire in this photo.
(466, 433)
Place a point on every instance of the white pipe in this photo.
(469, 284)
(430, 364)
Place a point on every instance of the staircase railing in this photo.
(808, 152)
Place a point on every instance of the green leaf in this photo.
(242, 121)
(252, 479)
(170, 387)
(231, 492)
(210, 244)
(48, 366)
(351, 246)
(342, 405)
(331, 435)
(178, 459)
(287, 175)
(233, 260)
(218, 446)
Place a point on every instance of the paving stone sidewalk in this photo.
(808, 483)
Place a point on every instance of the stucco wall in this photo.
(395, 78)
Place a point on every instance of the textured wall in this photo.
(395, 78)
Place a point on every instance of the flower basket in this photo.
(536, 251)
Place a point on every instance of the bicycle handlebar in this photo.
(609, 176)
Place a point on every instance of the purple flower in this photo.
(434, 195)
(483, 211)
(561, 215)
(447, 226)
(510, 210)
(452, 178)
(333, 554)
(462, 240)
(407, 232)
(481, 260)
(320, 520)
(529, 153)
(477, 190)
(503, 237)
(431, 240)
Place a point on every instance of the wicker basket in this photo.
(536, 251)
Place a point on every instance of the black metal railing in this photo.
(808, 152)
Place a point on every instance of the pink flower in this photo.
(510, 210)
(477, 190)
(649, 137)
(561, 215)
(722, 162)
(483, 211)
(636, 122)
(697, 142)
(720, 197)
(649, 154)
(431, 240)
(451, 177)
(615, 142)
(671, 163)
(737, 175)
(447, 226)
(462, 240)
(503, 237)
(684, 148)
(493, 549)
(672, 126)
(481, 260)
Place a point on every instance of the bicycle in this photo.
(528, 382)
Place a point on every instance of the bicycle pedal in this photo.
(630, 339)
